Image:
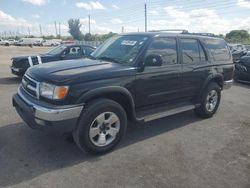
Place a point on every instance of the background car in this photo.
(4, 42)
(242, 70)
(62, 52)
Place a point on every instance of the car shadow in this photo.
(10, 80)
(26, 154)
(242, 84)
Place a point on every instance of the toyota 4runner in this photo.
(137, 76)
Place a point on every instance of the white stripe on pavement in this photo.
(39, 59)
(30, 61)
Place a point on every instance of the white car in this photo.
(4, 42)
(51, 43)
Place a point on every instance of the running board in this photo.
(164, 112)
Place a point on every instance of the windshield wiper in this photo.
(108, 59)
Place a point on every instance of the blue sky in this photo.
(19, 16)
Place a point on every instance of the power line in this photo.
(145, 7)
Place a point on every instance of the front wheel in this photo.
(210, 101)
(101, 126)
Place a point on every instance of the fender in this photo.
(218, 77)
(102, 91)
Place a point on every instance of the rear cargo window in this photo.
(218, 49)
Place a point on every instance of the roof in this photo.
(168, 34)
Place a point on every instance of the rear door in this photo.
(160, 84)
(195, 65)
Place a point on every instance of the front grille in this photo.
(30, 86)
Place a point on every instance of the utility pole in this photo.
(29, 31)
(40, 27)
(145, 7)
(122, 29)
(55, 28)
(60, 29)
(89, 23)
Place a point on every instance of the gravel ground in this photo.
(178, 151)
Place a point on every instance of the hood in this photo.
(76, 71)
(18, 58)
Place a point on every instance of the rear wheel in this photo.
(210, 101)
(101, 126)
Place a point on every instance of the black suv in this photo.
(138, 77)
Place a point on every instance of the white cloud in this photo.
(85, 21)
(36, 2)
(196, 20)
(36, 16)
(91, 5)
(116, 21)
(153, 12)
(115, 7)
(243, 3)
(8, 20)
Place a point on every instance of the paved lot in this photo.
(178, 151)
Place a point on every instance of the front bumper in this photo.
(40, 116)
(227, 84)
(17, 71)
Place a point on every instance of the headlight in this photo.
(53, 92)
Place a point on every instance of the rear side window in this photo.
(218, 49)
(192, 51)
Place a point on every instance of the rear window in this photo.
(218, 49)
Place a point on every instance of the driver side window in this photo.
(164, 47)
(75, 50)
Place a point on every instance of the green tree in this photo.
(74, 28)
(238, 36)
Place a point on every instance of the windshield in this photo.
(56, 50)
(120, 49)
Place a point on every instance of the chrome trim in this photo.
(168, 113)
(36, 89)
(227, 84)
(53, 114)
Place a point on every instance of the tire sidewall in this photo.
(81, 134)
(212, 86)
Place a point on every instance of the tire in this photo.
(93, 135)
(210, 101)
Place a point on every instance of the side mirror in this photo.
(62, 55)
(153, 60)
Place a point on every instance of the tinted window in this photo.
(166, 47)
(87, 51)
(190, 51)
(218, 49)
(75, 50)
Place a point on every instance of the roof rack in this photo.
(166, 30)
(203, 34)
(184, 31)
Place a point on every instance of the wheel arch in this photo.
(116, 93)
(218, 78)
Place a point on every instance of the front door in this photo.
(160, 84)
